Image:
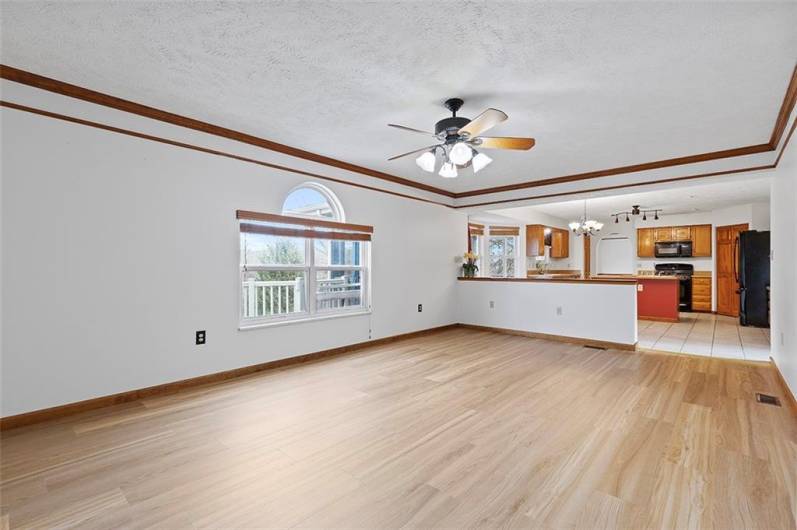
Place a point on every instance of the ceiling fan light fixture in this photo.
(460, 153)
(480, 161)
(426, 161)
(449, 170)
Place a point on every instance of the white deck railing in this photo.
(267, 298)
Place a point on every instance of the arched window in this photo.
(303, 268)
(313, 200)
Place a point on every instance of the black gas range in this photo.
(684, 272)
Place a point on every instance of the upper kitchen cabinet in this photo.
(699, 235)
(681, 233)
(540, 236)
(701, 241)
(663, 233)
(645, 242)
(560, 243)
(535, 240)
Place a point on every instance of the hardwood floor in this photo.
(456, 429)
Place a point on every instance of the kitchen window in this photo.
(296, 268)
(502, 244)
(476, 244)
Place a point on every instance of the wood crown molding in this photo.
(786, 107)
(52, 85)
(92, 96)
(206, 150)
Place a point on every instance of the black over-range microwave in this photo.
(674, 249)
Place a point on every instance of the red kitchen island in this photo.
(657, 296)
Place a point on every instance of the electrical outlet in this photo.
(559, 310)
(200, 337)
(420, 308)
(492, 304)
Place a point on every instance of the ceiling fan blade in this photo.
(506, 142)
(486, 120)
(409, 129)
(413, 152)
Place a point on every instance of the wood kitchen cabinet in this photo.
(535, 240)
(645, 243)
(681, 233)
(662, 233)
(699, 235)
(701, 293)
(701, 241)
(560, 243)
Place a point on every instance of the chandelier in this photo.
(585, 226)
(636, 211)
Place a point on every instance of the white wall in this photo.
(594, 311)
(116, 249)
(783, 278)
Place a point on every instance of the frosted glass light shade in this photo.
(460, 154)
(480, 161)
(449, 170)
(426, 161)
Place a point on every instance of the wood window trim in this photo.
(504, 231)
(250, 228)
(302, 221)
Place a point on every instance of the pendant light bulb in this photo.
(480, 161)
(626, 218)
(616, 219)
(460, 154)
(656, 217)
(645, 216)
(449, 170)
(426, 161)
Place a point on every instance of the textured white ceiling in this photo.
(599, 85)
(681, 200)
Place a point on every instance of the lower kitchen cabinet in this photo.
(701, 293)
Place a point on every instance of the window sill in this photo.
(275, 323)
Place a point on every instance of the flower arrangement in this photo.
(469, 268)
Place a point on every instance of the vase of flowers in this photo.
(469, 268)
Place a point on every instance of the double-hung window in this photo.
(502, 250)
(297, 268)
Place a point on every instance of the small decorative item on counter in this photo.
(541, 265)
(469, 268)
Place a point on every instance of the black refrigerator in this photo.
(753, 273)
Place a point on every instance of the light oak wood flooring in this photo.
(455, 429)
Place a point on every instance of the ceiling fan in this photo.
(459, 138)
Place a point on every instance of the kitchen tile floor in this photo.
(706, 334)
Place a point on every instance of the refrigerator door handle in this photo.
(736, 259)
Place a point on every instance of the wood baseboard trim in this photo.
(786, 390)
(558, 338)
(42, 415)
(659, 319)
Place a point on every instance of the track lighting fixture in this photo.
(636, 210)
